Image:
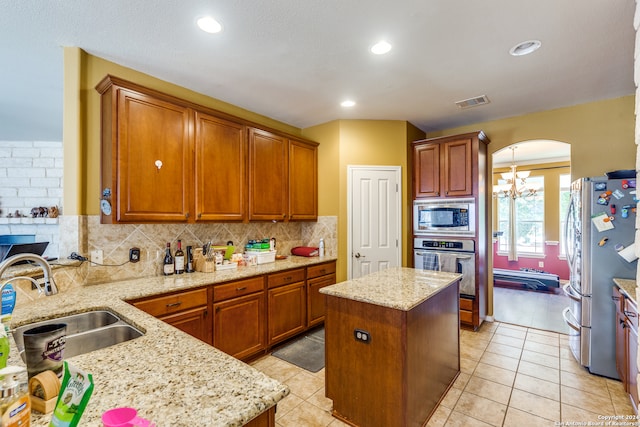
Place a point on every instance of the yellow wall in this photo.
(357, 143)
(601, 134)
(81, 137)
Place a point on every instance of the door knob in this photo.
(357, 255)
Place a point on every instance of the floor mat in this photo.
(306, 352)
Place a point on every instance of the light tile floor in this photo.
(510, 376)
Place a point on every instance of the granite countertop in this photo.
(627, 286)
(172, 378)
(398, 287)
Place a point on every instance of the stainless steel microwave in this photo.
(444, 217)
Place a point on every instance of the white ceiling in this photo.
(295, 60)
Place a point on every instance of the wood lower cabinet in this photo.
(286, 302)
(247, 317)
(318, 276)
(627, 344)
(239, 319)
(187, 311)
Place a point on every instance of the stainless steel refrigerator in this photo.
(599, 238)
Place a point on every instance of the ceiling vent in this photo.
(473, 102)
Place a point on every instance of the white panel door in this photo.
(374, 219)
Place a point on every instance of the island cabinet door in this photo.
(239, 326)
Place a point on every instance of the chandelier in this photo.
(516, 182)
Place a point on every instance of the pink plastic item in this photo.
(124, 417)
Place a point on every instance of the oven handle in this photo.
(567, 320)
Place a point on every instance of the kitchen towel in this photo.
(449, 263)
(430, 261)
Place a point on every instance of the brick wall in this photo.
(30, 176)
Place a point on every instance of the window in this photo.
(529, 217)
(565, 195)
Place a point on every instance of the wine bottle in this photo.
(179, 259)
(167, 264)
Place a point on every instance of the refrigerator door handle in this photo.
(568, 224)
(567, 319)
(568, 290)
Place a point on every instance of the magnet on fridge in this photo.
(613, 209)
(632, 183)
(603, 241)
(625, 211)
(618, 194)
(599, 186)
(625, 183)
(602, 201)
(618, 247)
(611, 217)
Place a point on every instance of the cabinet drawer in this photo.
(286, 277)
(237, 289)
(320, 270)
(168, 304)
(466, 304)
(466, 317)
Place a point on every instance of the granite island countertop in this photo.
(172, 378)
(627, 286)
(400, 288)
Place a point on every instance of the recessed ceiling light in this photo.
(525, 48)
(381, 48)
(348, 103)
(209, 24)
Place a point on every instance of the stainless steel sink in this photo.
(88, 331)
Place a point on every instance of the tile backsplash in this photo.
(83, 234)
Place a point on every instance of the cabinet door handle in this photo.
(186, 215)
(241, 288)
(206, 313)
(200, 215)
(630, 313)
(322, 271)
(175, 304)
(615, 298)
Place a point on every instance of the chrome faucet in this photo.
(50, 287)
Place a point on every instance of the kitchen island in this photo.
(392, 345)
(170, 377)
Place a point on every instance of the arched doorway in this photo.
(531, 187)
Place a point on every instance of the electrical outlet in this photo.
(96, 257)
(361, 335)
(134, 254)
(540, 264)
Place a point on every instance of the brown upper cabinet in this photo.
(446, 167)
(165, 159)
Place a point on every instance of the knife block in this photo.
(201, 263)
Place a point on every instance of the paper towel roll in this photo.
(629, 253)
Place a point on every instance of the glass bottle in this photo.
(167, 264)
